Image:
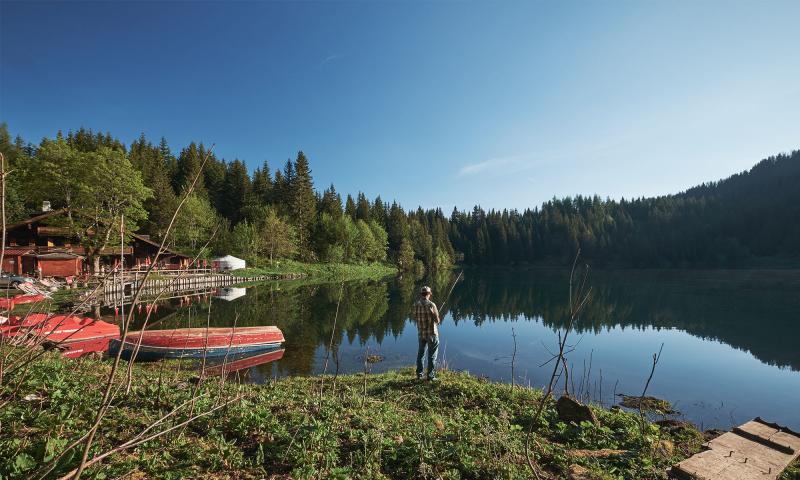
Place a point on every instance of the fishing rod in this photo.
(441, 308)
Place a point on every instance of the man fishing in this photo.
(427, 316)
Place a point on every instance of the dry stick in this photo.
(366, 365)
(223, 377)
(330, 343)
(575, 309)
(589, 375)
(3, 204)
(3, 244)
(106, 394)
(513, 358)
(656, 358)
(601, 387)
(205, 352)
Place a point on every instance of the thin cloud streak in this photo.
(330, 58)
(488, 165)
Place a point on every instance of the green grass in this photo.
(330, 271)
(460, 427)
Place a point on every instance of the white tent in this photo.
(229, 262)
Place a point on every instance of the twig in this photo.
(656, 358)
(330, 344)
(513, 358)
(576, 304)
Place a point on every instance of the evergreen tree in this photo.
(236, 193)
(188, 166)
(379, 212)
(303, 204)
(331, 202)
(262, 184)
(350, 208)
(362, 207)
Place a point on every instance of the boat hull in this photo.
(197, 342)
(58, 328)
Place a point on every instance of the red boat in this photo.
(84, 347)
(9, 303)
(198, 342)
(58, 328)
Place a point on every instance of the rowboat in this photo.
(197, 342)
(57, 328)
(80, 348)
(10, 303)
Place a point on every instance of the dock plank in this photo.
(754, 450)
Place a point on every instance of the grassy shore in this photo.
(459, 427)
(327, 271)
(398, 428)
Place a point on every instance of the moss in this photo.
(458, 427)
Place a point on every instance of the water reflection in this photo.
(753, 311)
(699, 315)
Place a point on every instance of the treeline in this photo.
(263, 216)
(748, 216)
(267, 215)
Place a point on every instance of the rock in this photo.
(570, 410)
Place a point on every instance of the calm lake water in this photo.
(731, 338)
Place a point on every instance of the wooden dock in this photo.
(755, 450)
(171, 285)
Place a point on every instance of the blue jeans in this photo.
(432, 342)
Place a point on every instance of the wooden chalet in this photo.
(35, 248)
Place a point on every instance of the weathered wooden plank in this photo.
(713, 465)
(754, 450)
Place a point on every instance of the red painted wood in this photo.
(59, 328)
(210, 338)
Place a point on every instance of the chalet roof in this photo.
(37, 218)
(61, 211)
(146, 239)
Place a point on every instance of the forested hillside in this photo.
(266, 215)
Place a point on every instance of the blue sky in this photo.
(435, 104)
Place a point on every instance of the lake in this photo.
(730, 338)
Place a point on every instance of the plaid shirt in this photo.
(427, 316)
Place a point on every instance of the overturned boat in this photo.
(196, 342)
(37, 327)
